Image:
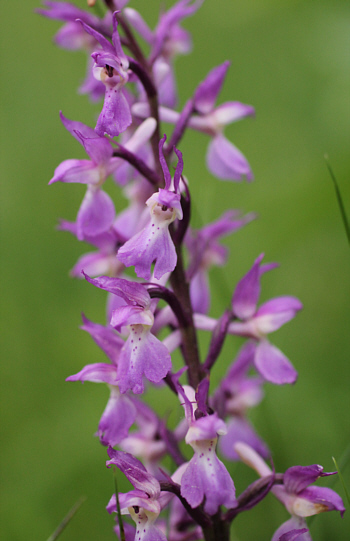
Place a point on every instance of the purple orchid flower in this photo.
(223, 159)
(142, 354)
(205, 477)
(237, 393)
(154, 242)
(205, 251)
(299, 498)
(111, 68)
(166, 41)
(97, 213)
(255, 323)
(73, 37)
(120, 411)
(143, 504)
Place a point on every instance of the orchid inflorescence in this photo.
(152, 235)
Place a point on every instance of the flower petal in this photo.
(142, 355)
(96, 213)
(135, 471)
(273, 365)
(276, 312)
(293, 530)
(209, 89)
(225, 161)
(239, 430)
(247, 292)
(117, 418)
(97, 373)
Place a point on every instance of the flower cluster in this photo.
(171, 262)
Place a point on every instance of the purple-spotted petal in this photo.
(153, 243)
(273, 365)
(225, 161)
(142, 355)
(206, 476)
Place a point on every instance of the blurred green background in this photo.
(291, 60)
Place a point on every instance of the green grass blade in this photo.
(120, 522)
(342, 480)
(67, 519)
(340, 199)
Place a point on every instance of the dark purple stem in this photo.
(152, 97)
(188, 332)
(139, 164)
(168, 296)
(198, 515)
(254, 494)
